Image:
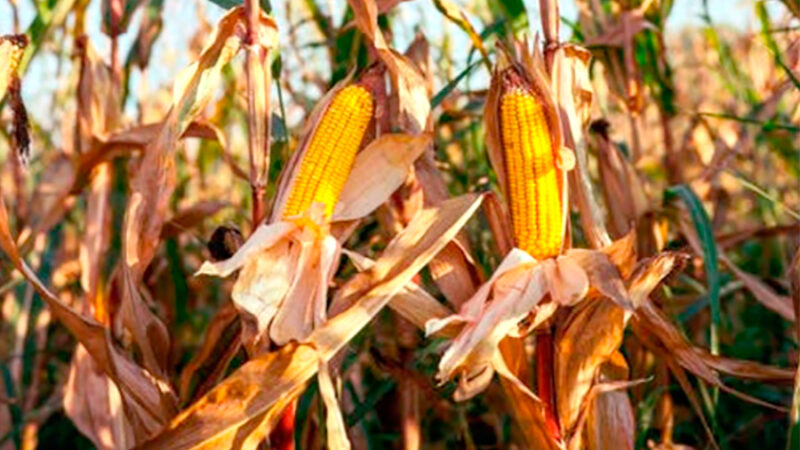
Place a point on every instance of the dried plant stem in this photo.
(544, 380)
(40, 339)
(548, 9)
(258, 113)
(20, 337)
(258, 126)
(544, 341)
(282, 437)
(409, 407)
(411, 429)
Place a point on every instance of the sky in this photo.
(176, 33)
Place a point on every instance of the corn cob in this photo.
(11, 50)
(331, 151)
(533, 183)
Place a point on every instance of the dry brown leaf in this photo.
(648, 274)
(262, 38)
(334, 422)
(616, 35)
(611, 422)
(746, 370)
(154, 181)
(694, 401)
(222, 342)
(93, 403)
(412, 302)
(138, 138)
(591, 335)
(761, 291)
(622, 189)
(98, 114)
(98, 98)
(648, 317)
(149, 402)
(453, 270)
(52, 200)
(91, 400)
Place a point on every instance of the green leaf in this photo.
(772, 45)
(513, 10)
(47, 18)
(373, 397)
(702, 225)
(448, 88)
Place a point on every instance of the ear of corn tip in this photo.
(530, 165)
(331, 151)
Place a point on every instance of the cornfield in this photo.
(399, 224)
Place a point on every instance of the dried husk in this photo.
(378, 170)
(610, 423)
(407, 81)
(592, 333)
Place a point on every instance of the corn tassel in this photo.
(533, 184)
(331, 151)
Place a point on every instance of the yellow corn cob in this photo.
(11, 49)
(533, 186)
(331, 151)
